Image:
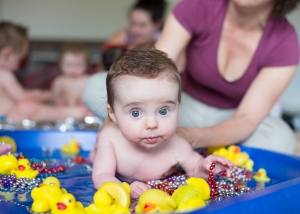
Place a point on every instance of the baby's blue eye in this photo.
(163, 111)
(135, 113)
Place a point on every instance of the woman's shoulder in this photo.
(197, 6)
(198, 15)
(280, 45)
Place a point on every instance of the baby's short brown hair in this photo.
(13, 36)
(75, 48)
(145, 63)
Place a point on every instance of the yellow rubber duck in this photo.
(202, 185)
(7, 163)
(261, 176)
(155, 201)
(10, 141)
(72, 148)
(120, 193)
(191, 204)
(103, 204)
(184, 193)
(118, 209)
(234, 149)
(53, 181)
(221, 152)
(24, 170)
(240, 158)
(249, 165)
(46, 196)
(211, 150)
(94, 209)
(192, 195)
(67, 204)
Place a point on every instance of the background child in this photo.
(140, 144)
(67, 88)
(17, 103)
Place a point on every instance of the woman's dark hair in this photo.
(282, 7)
(156, 8)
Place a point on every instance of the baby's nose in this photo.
(151, 123)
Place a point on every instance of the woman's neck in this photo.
(249, 18)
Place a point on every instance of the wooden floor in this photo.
(297, 150)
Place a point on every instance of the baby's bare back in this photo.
(70, 89)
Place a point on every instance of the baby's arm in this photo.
(195, 165)
(15, 90)
(12, 87)
(105, 164)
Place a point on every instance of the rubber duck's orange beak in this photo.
(42, 185)
(21, 167)
(61, 206)
(259, 174)
(148, 207)
(77, 145)
(237, 150)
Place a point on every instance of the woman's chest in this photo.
(223, 56)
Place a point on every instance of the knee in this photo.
(273, 134)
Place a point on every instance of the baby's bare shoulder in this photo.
(179, 145)
(108, 133)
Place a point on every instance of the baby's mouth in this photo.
(152, 140)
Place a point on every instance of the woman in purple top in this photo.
(240, 56)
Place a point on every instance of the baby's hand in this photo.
(5, 148)
(221, 164)
(137, 188)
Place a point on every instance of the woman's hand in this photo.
(190, 135)
(137, 188)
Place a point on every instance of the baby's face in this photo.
(73, 64)
(13, 60)
(146, 110)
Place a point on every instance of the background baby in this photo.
(18, 103)
(67, 88)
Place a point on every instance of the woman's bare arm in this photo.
(256, 104)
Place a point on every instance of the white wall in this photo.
(291, 97)
(1, 9)
(69, 19)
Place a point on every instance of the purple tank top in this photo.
(203, 19)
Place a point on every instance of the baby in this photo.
(140, 144)
(68, 87)
(16, 102)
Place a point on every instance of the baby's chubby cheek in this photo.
(131, 134)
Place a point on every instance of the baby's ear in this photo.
(111, 113)
(6, 52)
